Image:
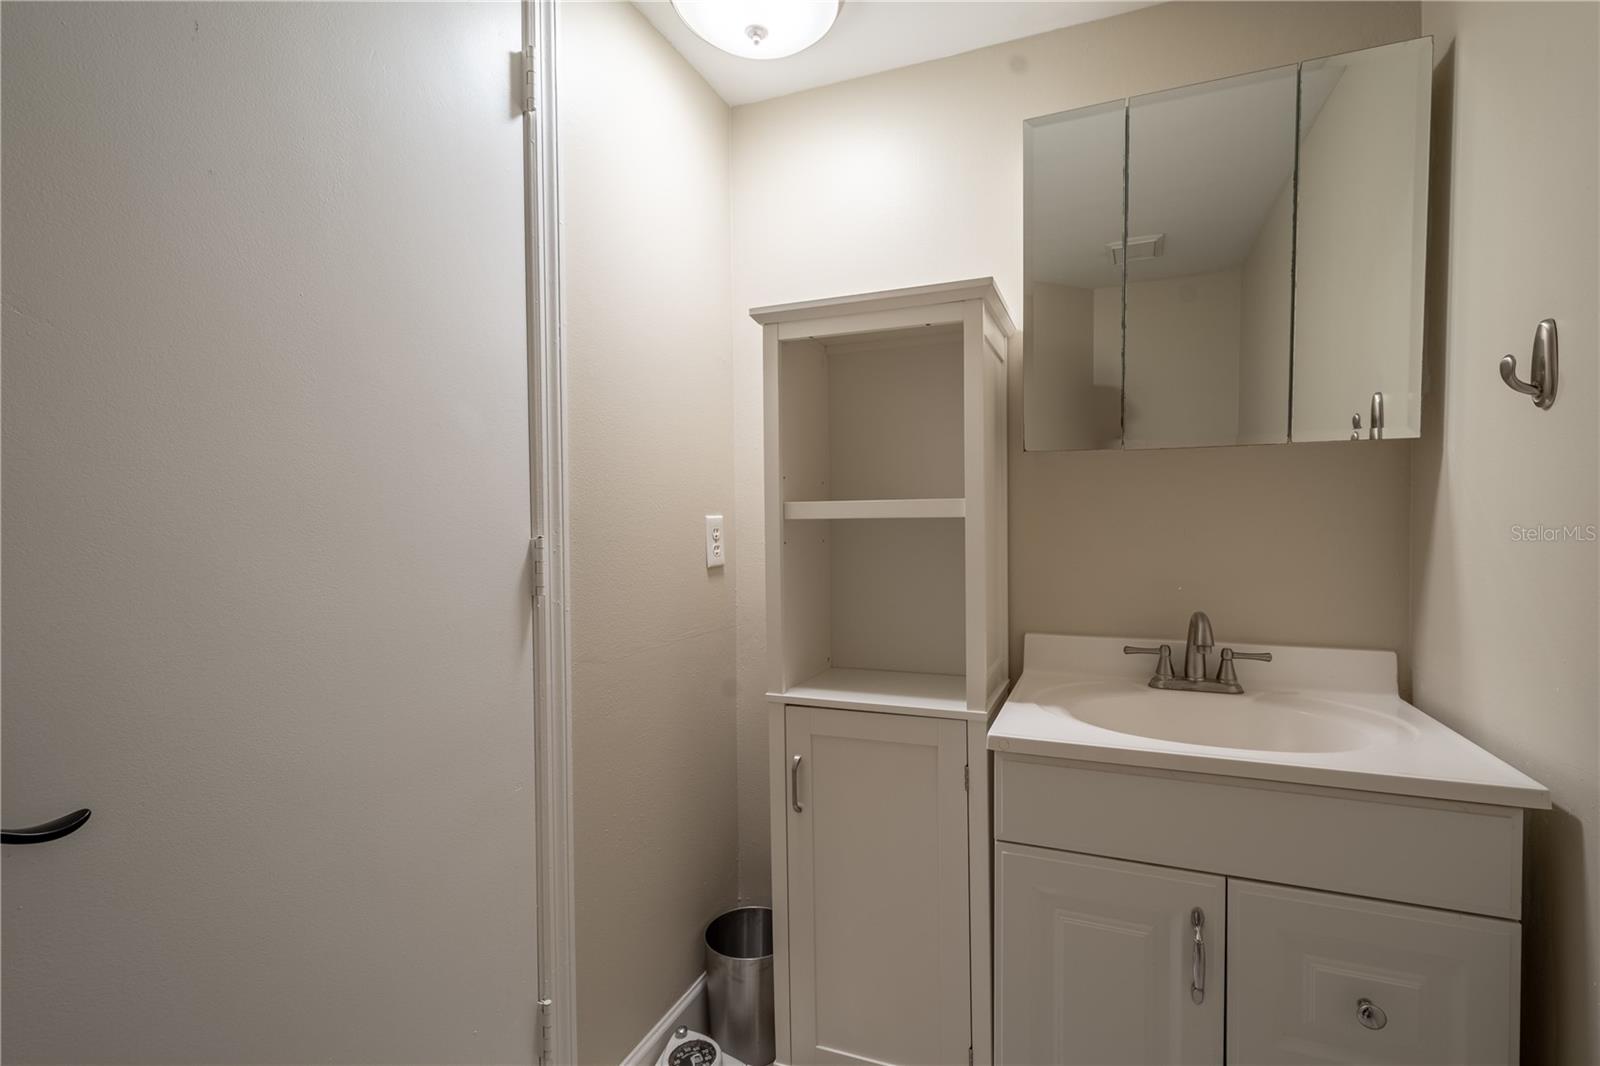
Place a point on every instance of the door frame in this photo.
(549, 575)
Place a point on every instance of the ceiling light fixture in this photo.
(759, 29)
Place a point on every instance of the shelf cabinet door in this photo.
(879, 968)
(1442, 987)
(1097, 960)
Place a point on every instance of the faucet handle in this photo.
(1163, 658)
(1226, 674)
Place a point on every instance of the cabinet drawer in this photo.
(1454, 856)
(1443, 987)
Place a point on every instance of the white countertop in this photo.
(1414, 755)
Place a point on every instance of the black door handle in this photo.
(46, 831)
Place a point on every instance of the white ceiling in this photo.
(874, 35)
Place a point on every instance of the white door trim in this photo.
(547, 402)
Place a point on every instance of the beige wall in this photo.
(644, 156)
(1506, 630)
(915, 175)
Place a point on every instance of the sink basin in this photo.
(1328, 717)
(1259, 721)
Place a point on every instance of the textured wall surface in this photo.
(1506, 602)
(644, 155)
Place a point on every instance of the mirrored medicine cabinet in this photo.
(1234, 262)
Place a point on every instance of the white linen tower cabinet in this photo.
(887, 651)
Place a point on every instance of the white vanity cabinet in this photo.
(1096, 958)
(885, 454)
(1308, 871)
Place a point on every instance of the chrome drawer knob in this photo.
(1370, 1014)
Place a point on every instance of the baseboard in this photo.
(690, 1010)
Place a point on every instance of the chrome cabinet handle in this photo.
(794, 785)
(1197, 981)
(1375, 431)
(1370, 1014)
(46, 831)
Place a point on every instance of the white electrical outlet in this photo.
(716, 542)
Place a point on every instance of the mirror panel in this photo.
(1275, 231)
(1072, 304)
(1360, 241)
(1210, 212)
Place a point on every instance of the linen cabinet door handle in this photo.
(1197, 980)
(794, 785)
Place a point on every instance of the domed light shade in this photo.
(759, 29)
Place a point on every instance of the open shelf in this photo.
(886, 479)
(830, 509)
(886, 595)
(872, 417)
(882, 690)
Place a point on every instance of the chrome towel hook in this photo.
(1541, 383)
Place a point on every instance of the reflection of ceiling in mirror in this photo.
(1316, 85)
(1207, 164)
(1074, 202)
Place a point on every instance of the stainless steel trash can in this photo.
(739, 984)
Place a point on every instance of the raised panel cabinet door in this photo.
(878, 924)
(1100, 962)
(1318, 977)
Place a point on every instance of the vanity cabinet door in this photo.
(1097, 961)
(879, 955)
(1318, 977)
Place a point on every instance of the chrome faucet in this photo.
(1196, 647)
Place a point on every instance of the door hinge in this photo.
(527, 79)
(544, 1030)
(536, 553)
